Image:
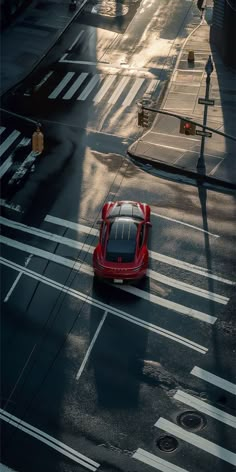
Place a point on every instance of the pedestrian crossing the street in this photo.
(124, 90)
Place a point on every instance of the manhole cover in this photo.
(167, 443)
(110, 8)
(191, 420)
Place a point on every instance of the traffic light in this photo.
(37, 141)
(186, 127)
(143, 118)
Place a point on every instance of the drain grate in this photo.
(191, 420)
(167, 443)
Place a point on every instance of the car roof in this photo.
(123, 229)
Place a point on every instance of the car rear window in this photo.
(122, 241)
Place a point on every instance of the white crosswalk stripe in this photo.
(9, 141)
(116, 94)
(2, 129)
(8, 162)
(105, 87)
(156, 462)
(133, 92)
(206, 408)
(88, 89)
(73, 89)
(61, 85)
(196, 441)
(214, 379)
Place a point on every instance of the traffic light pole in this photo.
(209, 69)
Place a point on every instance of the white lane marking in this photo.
(70, 224)
(152, 86)
(4, 468)
(16, 280)
(63, 57)
(133, 92)
(44, 234)
(69, 94)
(154, 255)
(49, 440)
(185, 224)
(9, 141)
(156, 462)
(200, 292)
(183, 310)
(76, 40)
(197, 441)
(189, 267)
(8, 162)
(89, 248)
(2, 128)
(61, 85)
(204, 407)
(116, 94)
(214, 379)
(88, 89)
(91, 346)
(103, 306)
(12, 206)
(103, 90)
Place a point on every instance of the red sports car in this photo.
(122, 253)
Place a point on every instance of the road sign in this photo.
(206, 101)
(207, 134)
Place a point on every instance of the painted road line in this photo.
(45, 235)
(189, 267)
(154, 255)
(152, 86)
(88, 89)
(204, 407)
(61, 85)
(183, 310)
(200, 292)
(49, 440)
(89, 248)
(185, 224)
(105, 87)
(70, 224)
(103, 306)
(4, 468)
(76, 40)
(214, 379)
(8, 162)
(133, 92)
(197, 441)
(91, 346)
(69, 94)
(9, 141)
(118, 91)
(16, 280)
(83, 267)
(2, 128)
(156, 462)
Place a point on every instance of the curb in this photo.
(181, 171)
(17, 84)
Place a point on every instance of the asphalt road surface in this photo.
(98, 376)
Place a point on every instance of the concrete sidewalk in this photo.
(164, 147)
(26, 41)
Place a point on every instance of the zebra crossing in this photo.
(84, 243)
(12, 142)
(113, 89)
(84, 240)
(191, 438)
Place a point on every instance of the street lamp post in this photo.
(209, 70)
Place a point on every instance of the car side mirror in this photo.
(149, 224)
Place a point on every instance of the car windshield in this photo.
(127, 210)
(121, 244)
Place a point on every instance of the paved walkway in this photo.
(164, 147)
